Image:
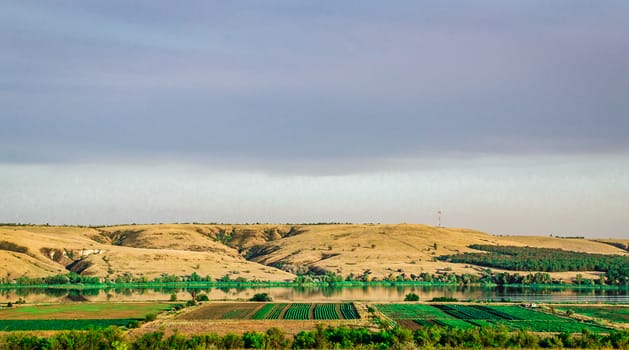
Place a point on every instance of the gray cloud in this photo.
(512, 117)
(282, 82)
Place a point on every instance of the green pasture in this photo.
(82, 310)
(465, 316)
(617, 314)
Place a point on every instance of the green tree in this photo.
(254, 340)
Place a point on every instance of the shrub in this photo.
(202, 297)
(444, 299)
(254, 340)
(173, 297)
(276, 339)
(10, 246)
(261, 297)
(233, 341)
(150, 317)
(411, 297)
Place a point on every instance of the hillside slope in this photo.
(274, 252)
(137, 250)
(388, 250)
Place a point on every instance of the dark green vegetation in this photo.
(615, 267)
(261, 297)
(349, 311)
(275, 311)
(271, 311)
(83, 310)
(55, 325)
(444, 299)
(298, 311)
(78, 316)
(325, 312)
(319, 338)
(411, 297)
(468, 316)
(617, 314)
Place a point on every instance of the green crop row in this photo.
(301, 311)
(412, 311)
(618, 314)
(570, 326)
(465, 312)
(453, 323)
(298, 312)
(325, 312)
(54, 325)
(275, 313)
(263, 312)
(500, 314)
(521, 313)
(349, 311)
(465, 316)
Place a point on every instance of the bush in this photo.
(173, 297)
(254, 340)
(233, 341)
(444, 299)
(261, 297)
(276, 339)
(150, 317)
(202, 297)
(411, 297)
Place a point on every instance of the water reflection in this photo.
(368, 293)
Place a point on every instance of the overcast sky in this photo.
(511, 117)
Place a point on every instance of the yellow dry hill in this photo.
(137, 250)
(388, 250)
(251, 251)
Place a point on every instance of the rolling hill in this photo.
(263, 252)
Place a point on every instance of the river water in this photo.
(371, 293)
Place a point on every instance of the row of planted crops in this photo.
(465, 316)
(306, 311)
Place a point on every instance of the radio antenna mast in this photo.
(439, 218)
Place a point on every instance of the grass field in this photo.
(466, 316)
(76, 316)
(74, 311)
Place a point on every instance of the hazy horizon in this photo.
(510, 117)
